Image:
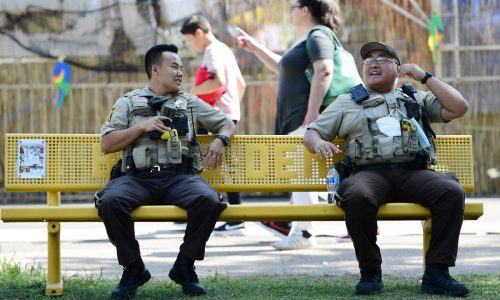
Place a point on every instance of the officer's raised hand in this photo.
(454, 104)
(411, 70)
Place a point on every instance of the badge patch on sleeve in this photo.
(108, 119)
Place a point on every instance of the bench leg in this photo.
(54, 285)
(426, 226)
(54, 282)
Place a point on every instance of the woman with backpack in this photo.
(299, 100)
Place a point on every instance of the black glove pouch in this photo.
(420, 161)
(116, 170)
(344, 167)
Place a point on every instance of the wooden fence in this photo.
(26, 108)
(30, 108)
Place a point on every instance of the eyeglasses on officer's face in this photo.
(292, 7)
(379, 60)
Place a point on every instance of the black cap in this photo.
(373, 46)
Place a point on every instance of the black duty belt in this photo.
(158, 168)
(384, 166)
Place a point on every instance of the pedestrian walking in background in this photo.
(218, 82)
(298, 100)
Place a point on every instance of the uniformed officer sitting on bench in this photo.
(155, 128)
(388, 137)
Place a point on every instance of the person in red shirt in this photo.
(218, 82)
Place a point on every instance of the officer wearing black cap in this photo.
(373, 46)
(388, 138)
(155, 127)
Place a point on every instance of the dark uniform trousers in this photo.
(364, 191)
(122, 195)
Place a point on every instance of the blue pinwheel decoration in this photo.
(61, 77)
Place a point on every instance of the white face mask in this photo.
(389, 125)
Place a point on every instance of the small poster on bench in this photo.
(31, 159)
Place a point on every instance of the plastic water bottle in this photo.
(332, 183)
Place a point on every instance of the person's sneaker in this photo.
(132, 278)
(281, 229)
(185, 275)
(297, 240)
(229, 228)
(437, 280)
(370, 282)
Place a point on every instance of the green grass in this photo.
(17, 282)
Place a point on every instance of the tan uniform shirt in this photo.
(146, 152)
(204, 114)
(347, 119)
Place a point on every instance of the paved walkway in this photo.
(86, 250)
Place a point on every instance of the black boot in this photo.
(183, 273)
(370, 282)
(134, 275)
(437, 280)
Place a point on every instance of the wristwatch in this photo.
(426, 77)
(223, 138)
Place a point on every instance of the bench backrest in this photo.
(74, 162)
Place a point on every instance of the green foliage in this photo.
(28, 282)
(18, 282)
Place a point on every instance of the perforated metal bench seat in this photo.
(74, 162)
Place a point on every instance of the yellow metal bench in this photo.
(74, 162)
